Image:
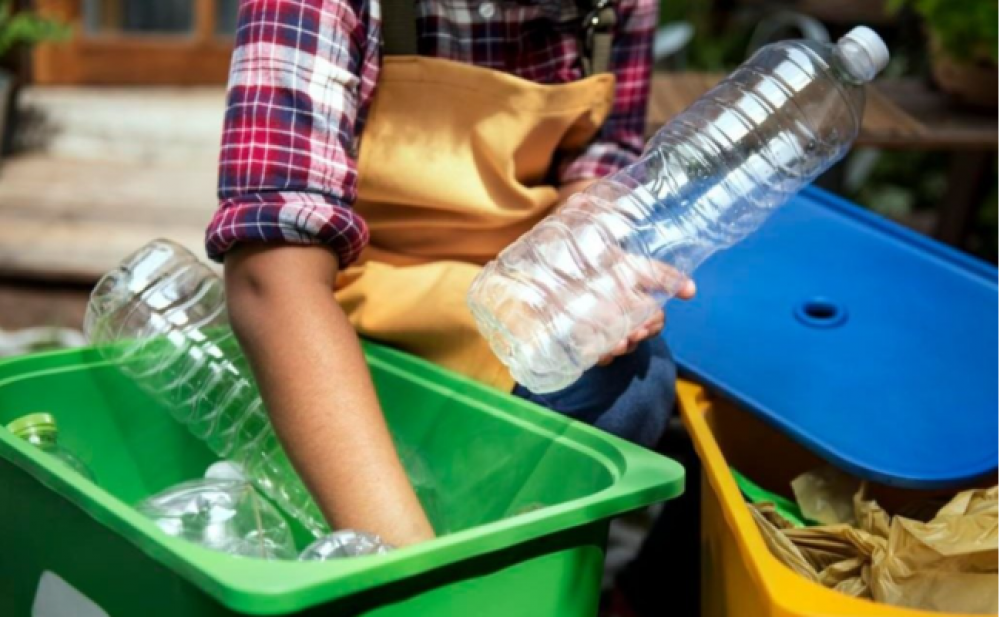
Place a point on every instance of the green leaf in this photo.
(967, 30)
(26, 28)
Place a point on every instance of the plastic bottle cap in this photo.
(872, 43)
(33, 423)
(226, 470)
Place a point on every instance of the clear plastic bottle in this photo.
(41, 431)
(225, 515)
(344, 544)
(161, 315)
(574, 286)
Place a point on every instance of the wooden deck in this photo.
(71, 220)
(107, 170)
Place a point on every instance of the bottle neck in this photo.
(39, 438)
(862, 54)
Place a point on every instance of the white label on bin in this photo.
(57, 598)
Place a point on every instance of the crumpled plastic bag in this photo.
(825, 495)
(948, 563)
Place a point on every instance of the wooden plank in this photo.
(154, 125)
(134, 61)
(101, 191)
(79, 251)
(885, 124)
(28, 304)
(66, 220)
(948, 127)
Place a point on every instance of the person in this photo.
(363, 184)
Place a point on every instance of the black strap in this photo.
(399, 27)
(597, 31)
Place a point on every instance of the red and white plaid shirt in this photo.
(304, 73)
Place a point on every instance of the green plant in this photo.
(719, 45)
(966, 30)
(25, 28)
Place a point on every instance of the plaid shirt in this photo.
(304, 73)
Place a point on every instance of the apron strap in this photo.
(399, 27)
(598, 29)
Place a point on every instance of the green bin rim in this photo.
(640, 477)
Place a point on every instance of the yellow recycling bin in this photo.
(740, 576)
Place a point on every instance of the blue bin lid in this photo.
(869, 344)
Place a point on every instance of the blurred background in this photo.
(110, 113)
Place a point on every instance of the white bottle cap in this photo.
(872, 44)
(226, 470)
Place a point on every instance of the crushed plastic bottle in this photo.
(345, 543)
(580, 281)
(161, 316)
(41, 431)
(222, 515)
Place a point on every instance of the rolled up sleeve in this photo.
(301, 76)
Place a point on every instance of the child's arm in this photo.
(317, 389)
(301, 73)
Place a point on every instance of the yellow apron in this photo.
(454, 166)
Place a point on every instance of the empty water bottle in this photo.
(579, 282)
(161, 315)
(41, 431)
(343, 544)
(222, 515)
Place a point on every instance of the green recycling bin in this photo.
(528, 496)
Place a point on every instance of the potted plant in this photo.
(18, 28)
(963, 44)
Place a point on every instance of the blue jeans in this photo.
(632, 397)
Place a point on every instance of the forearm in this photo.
(318, 391)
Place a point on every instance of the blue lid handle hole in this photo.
(820, 310)
(821, 313)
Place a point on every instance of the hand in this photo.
(665, 277)
(652, 327)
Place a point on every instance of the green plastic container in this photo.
(65, 540)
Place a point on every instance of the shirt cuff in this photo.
(287, 217)
(596, 161)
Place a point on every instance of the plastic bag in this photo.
(824, 495)
(783, 507)
(946, 564)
